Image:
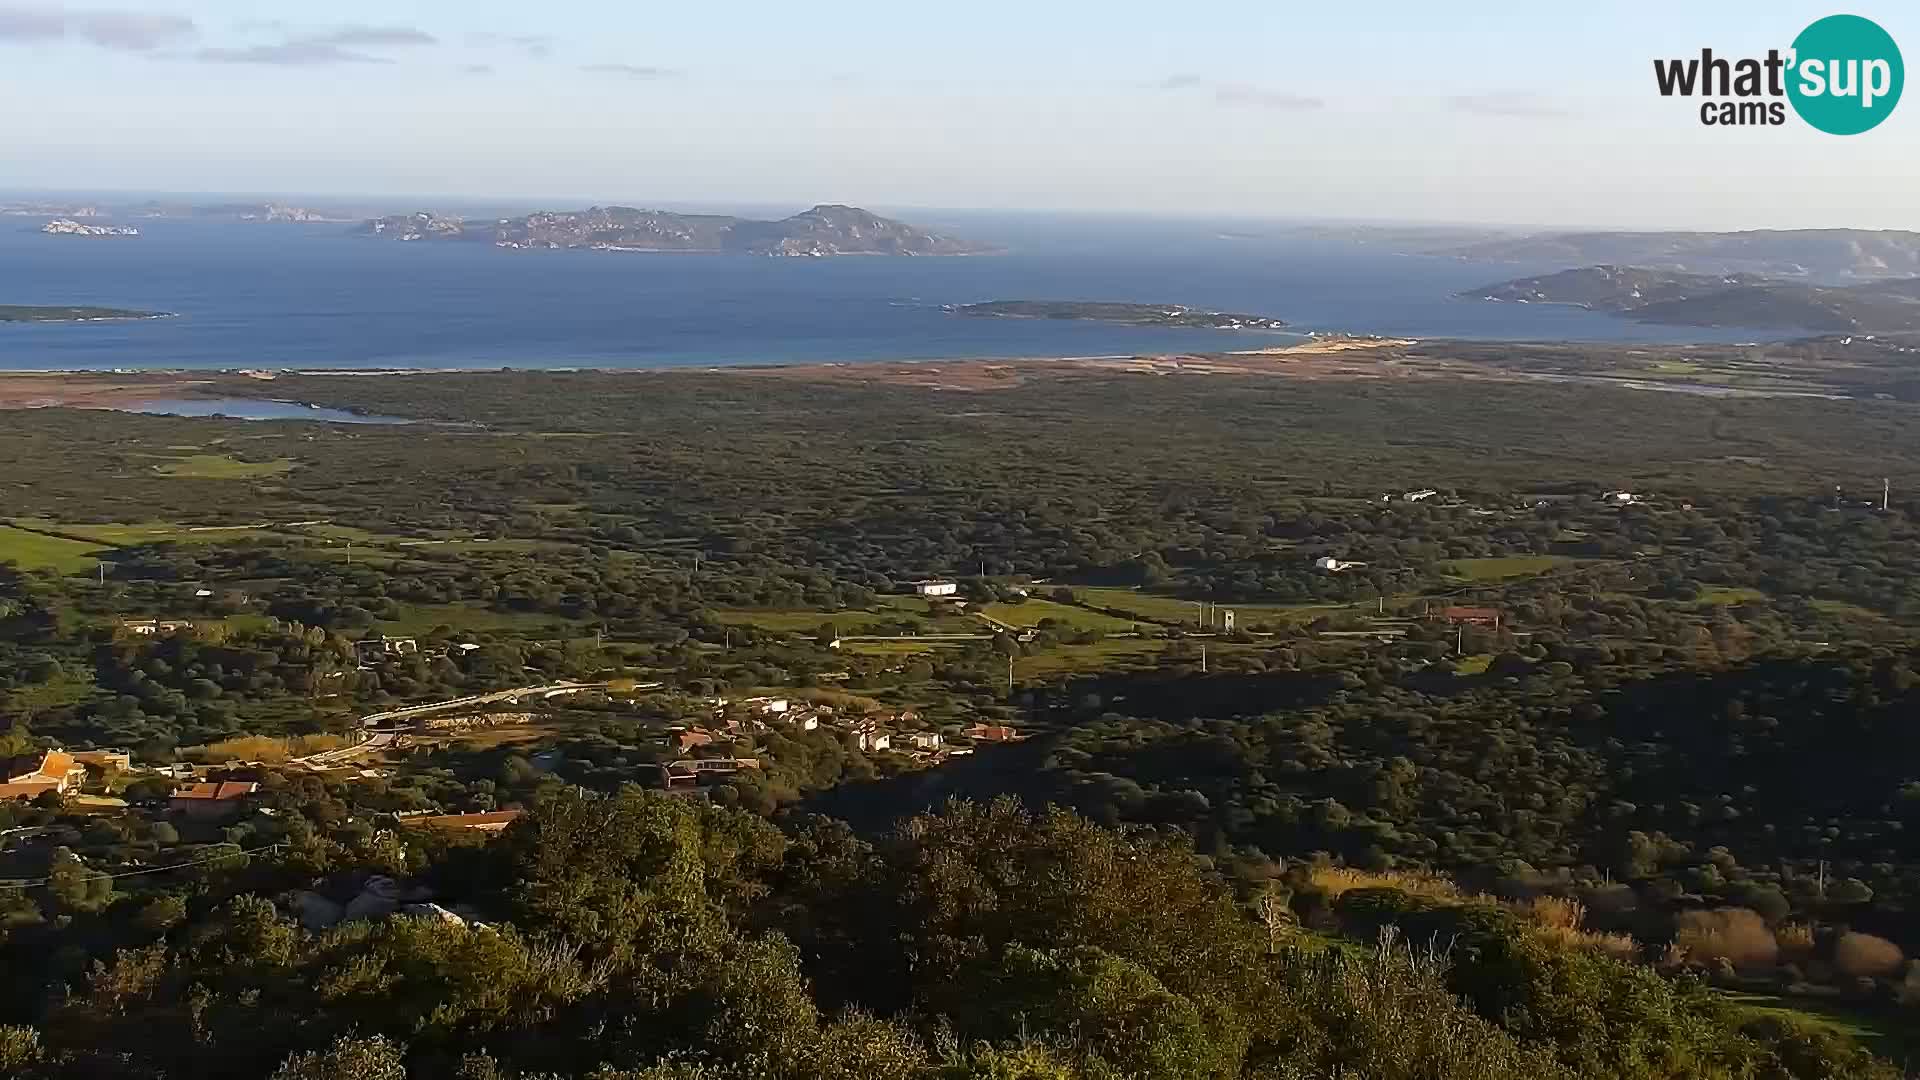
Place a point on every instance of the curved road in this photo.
(379, 740)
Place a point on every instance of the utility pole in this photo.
(1009, 675)
(1203, 658)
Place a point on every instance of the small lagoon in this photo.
(255, 409)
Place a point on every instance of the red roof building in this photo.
(1476, 616)
(205, 801)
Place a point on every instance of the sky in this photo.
(1486, 112)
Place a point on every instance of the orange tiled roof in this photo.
(26, 789)
(216, 792)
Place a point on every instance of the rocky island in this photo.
(1837, 256)
(1173, 315)
(822, 231)
(27, 313)
(1671, 298)
(70, 227)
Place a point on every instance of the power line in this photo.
(144, 870)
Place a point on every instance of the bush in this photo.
(1867, 956)
(1736, 935)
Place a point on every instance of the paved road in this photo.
(380, 740)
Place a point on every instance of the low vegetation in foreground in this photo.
(640, 935)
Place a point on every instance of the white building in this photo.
(933, 587)
(1332, 565)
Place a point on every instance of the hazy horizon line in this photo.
(408, 202)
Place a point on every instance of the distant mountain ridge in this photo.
(1671, 298)
(1830, 255)
(824, 230)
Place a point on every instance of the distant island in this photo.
(70, 227)
(269, 212)
(153, 209)
(822, 231)
(1735, 300)
(24, 313)
(1830, 255)
(1129, 314)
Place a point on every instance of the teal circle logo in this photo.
(1846, 75)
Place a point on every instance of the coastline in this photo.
(1331, 357)
(1352, 358)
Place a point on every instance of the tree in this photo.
(75, 888)
(349, 1058)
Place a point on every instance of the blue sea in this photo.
(311, 296)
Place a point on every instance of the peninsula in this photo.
(1173, 315)
(39, 314)
(1838, 256)
(1670, 298)
(822, 231)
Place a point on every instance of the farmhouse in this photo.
(935, 587)
(1471, 616)
(212, 802)
(374, 649)
(35, 774)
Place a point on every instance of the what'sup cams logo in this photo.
(1843, 75)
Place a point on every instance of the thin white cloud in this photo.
(1262, 97)
(633, 71)
(345, 44)
(1237, 93)
(289, 54)
(127, 31)
(534, 45)
(359, 36)
(476, 69)
(1508, 103)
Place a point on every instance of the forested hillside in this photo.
(606, 725)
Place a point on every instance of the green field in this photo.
(1029, 613)
(1886, 1036)
(32, 551)
(1504, 567)
(1114, 654)
(129, 533)
(223, 467)
(1175, 611)
(897, 648)
(1473, 665)
(1725, 596)
(806, 622)
(1845, 610)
